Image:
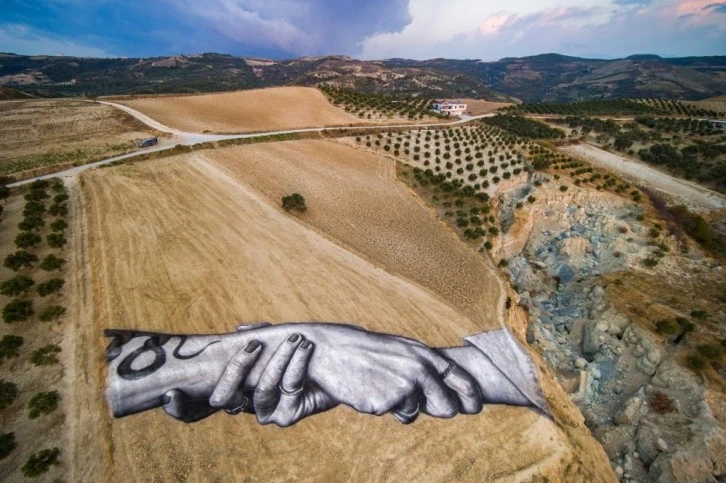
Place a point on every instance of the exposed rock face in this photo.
(612, 368)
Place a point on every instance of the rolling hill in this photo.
(546, 77)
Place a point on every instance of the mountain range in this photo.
(540, 78)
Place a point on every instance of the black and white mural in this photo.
(284, 373)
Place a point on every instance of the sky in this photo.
(364, 29)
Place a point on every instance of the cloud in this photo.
(22, 39)
(614, 28)
(302, 27)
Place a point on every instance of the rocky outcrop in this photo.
(648, 412)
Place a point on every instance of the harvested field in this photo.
(477, 107)
(277, 108)
(41, 135)
(178, 245)
(353, 196)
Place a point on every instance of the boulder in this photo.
(629, 413)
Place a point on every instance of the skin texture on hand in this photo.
(370, 372)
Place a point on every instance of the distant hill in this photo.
(546, 77)
(8, 94)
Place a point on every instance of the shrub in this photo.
(17, 285)
(51, 312)
(56, 240)
(33, 208)
(9, 346)
(59, 225)
(43, 403)
(4, 192)
(294, 201)
(667, 327)
(51, 286)
(15, 261)
(699, 314)
(696, 362)
(8, 393)
(40, 462)
(563, 188)
(51, 262)
(531, 199)
(661, 403)
(27, 239)
(503, 262)
(58, 209)
(488, 245)
(7, 444)
(17, 310)
(32, 222)
(46, 355)
(650, 262)
(709, 351)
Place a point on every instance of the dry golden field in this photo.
(477, 107)
(277, 108)
(195, 245)
(41, 134)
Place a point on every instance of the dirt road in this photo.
(698, 197)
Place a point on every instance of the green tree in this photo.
(59, 225)
(51, 312)
(9, 347)
(46, 355)
(27, 239)
(8, 393)
(7, 444)
(56, 240)
(18, 310)
(4, 192)
(43, 403)
(51, 286)
(51, 262)
(15, 261)
(294, 201)
(40, 462)
(17, 285)
(31, 223)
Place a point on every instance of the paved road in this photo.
(190, 138)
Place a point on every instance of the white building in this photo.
(449, 107)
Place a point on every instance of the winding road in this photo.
(182, 138)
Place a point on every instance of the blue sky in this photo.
(367, 29)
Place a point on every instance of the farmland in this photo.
(39, 136)
(34, 300)
(258, 263)
(271, 109)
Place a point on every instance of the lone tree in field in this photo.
(294, 201)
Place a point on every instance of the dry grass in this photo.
(44, 133)
(477, 107)
(178, 245)
(353, 197)
(277, 108)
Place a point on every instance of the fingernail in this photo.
(306, 344)
(165, 399)
(293, 338)
(252, 346)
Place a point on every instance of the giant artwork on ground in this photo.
(284, 373)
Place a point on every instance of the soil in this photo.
(277, 108)
(49, 133)
(477, 107)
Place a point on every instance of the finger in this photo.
(408, 410)
(228, 389)
(439, 400)
(180, 406)
(466, 388)
(294, 377)
(267, 393)
(272, 375)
